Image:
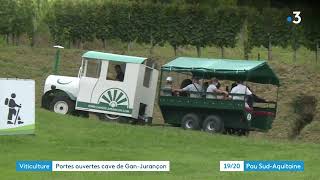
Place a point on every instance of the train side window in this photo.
(147, 77)
(116, 71)
(93, 68)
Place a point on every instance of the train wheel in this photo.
(62, 105)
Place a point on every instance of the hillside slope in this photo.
(193, 155)
(296, 78)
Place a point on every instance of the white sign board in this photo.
(17, 106)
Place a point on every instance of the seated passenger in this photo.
(194, 89)
(185, 83)
(242, 90)
(234, 84)
(120, 74)
(167, 89)
(212, 89)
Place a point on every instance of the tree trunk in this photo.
(222, 52)
(199, 51)
(129, 46)
(246, 55)
(74, 44)
(34, 31)
(7, 38)
(151, 45)
(104, 43)
(81, 44)
(295, 48)
(12, 39)
(175, 50)
(33, 39)
(69, 44)
(270, 50)
(17, 40)
(151, 49)
(317, 49)
(244, 39)
(246, 49)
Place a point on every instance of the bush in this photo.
(305, 109)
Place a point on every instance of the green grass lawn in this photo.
(193, 155)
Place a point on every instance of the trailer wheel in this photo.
(243, 132)
(62, 105)
(213, 124)
(108, 117)
(190, 122)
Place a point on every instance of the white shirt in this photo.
(212, 88)
(240, 89)
(167, 90)
(194, 87)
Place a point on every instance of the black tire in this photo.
(62, 105)
(46, 101)
(213, 124)
(243, 132)
(190, 121)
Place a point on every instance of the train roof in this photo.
(113, 57)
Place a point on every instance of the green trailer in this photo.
(214, 114)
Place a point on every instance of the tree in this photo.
(122, 23)
(102, 19)
(149, 22)
(311, 29)
(268, 28)
(40, 8)
(225, 24)
(296, 39)
(196, 27)
(7, 14)
(22, 21)
(176, 26)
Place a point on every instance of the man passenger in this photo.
(167, 89)
(241, 89)
(194, 88)
(214, 89)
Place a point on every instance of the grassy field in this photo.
(193, 155)
(296, 77)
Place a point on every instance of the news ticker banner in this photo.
(43, 166)
(261, 166)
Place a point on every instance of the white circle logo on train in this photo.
(114, 98)
(249, 116)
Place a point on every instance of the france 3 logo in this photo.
(296, 19)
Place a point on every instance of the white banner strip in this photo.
(110, 165)
(231, 165)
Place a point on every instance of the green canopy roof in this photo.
(113, 57)
(254, 71)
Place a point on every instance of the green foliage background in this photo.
(199, 23)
